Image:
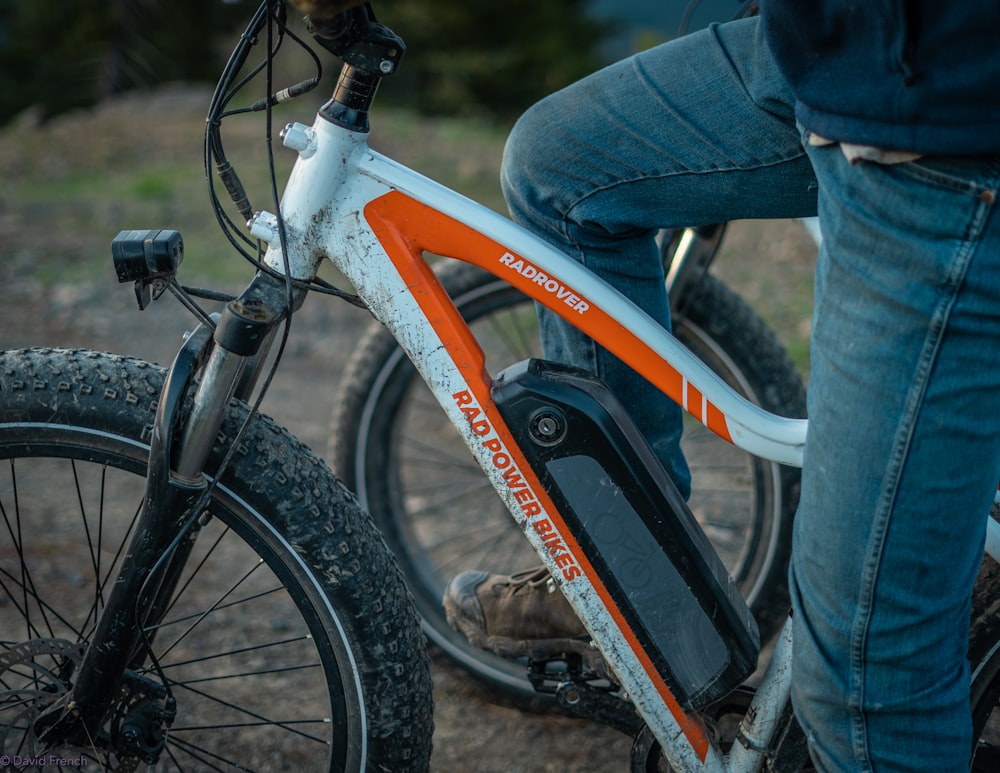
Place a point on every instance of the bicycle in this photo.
(113, 666)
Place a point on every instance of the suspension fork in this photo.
(210, 368)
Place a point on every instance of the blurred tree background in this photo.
(469, 57)
(489, 58)
(61, 56)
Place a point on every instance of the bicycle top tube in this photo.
(339, 188)
(374, 217)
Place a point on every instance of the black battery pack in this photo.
(634, 527)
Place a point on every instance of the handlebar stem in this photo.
(370, 51)
(358, 38)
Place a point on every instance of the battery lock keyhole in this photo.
(547, 426)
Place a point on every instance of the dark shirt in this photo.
(915, 75)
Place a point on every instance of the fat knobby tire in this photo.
(115, 398)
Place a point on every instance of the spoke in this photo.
(95, 559)
(447, 495)
(287, 723)
(197, 569)
(262, 720)
(201, 756)
(439, 464)
(487, 548)
(240, 651)
(28, 699)
(100, 533)
(219, 607)
(210, 609)
(244, 674)
(420, 452)
(485, 538)
(115, 562)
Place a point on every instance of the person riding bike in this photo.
(883, 118)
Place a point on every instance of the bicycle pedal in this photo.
(583, 693)
(546, 673)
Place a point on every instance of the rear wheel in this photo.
(290, 641)
(984, 659)
(392, 443)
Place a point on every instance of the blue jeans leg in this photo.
(902, 458)
(696, 131)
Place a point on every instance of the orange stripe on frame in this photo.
(424, 229)
(406, 229)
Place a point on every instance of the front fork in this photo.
(209, 370)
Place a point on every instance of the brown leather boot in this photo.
(518, 615)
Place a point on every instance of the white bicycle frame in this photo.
(376, 220)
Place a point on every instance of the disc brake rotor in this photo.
(36, 673)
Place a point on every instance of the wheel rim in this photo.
(249, 668)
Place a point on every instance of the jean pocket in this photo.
(960, 174)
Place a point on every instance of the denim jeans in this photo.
(902, 453)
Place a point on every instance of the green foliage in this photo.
(59, 56)
(487, 58)
(465, 57)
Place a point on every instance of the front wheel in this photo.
(412, 472)
(289, 643)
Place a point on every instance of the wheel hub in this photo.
(39, 672)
